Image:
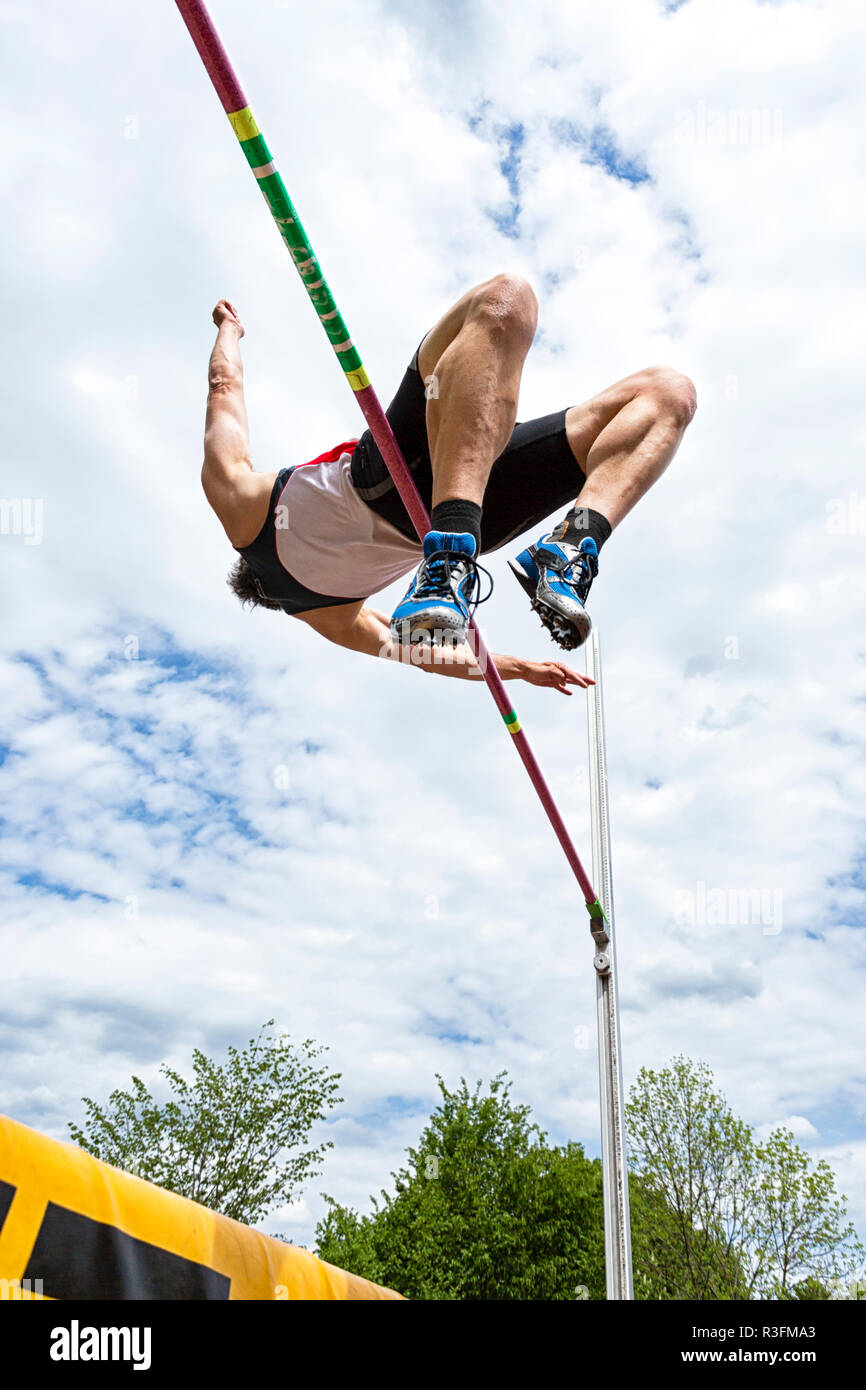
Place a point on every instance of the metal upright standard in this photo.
(617, 1226)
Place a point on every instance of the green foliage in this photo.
(484, 1210)
(235, 1139)
(721, 1215)
(802, 1234)
(659, 1259)
(811, 1290)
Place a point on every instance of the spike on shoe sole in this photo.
(566, 635)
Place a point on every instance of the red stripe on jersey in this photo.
(331, 455)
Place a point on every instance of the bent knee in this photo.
(507, 303)
(673, 391)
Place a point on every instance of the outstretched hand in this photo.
(226, 310)
(554, 674)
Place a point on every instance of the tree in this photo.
(728, 1217)
(483, 1210)
(235, 1139)
(801, 1223)
(659, 1260)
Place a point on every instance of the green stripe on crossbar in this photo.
(256, 151)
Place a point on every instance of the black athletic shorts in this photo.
(535, 476)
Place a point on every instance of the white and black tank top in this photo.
(321, 544)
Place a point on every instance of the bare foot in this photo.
(224, 312)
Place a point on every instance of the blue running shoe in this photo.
(444, 592)
(557, 577)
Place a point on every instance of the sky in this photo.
(211, 817)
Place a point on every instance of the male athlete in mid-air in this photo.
(317, 540)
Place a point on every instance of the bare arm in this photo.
(238, 495)
(362, 629)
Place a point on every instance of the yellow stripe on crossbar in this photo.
(244, 124)
(358, 379)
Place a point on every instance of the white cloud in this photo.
(801, 1128)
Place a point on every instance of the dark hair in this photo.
(246, 587)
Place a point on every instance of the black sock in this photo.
(580, 522)
(458, 515)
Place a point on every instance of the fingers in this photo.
(556, 676)
(565, 674)
(225, 309)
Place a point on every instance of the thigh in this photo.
(445, 331)
(536, 475)
(407, 416)
(543, 466)
(585, 422)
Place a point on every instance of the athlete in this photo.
(316, 540)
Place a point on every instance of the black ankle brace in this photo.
(458, 515)
(580, 522)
